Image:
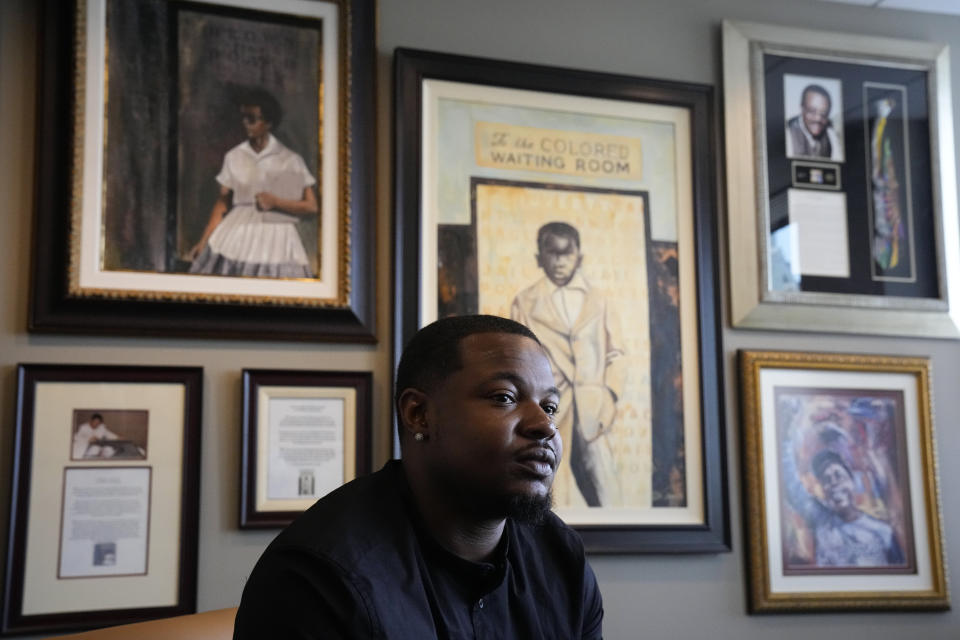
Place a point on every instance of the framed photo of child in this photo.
(842, 488)
(581, 205)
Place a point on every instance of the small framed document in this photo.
(106, 521)
(305, 433)
(103, 517)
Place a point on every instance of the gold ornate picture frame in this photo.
(840, 483)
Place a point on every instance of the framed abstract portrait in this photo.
(206, 169)
(841, 483)
(841, 183)
(105, 497)
(581, 205)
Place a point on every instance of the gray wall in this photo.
(646, 596)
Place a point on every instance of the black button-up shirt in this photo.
(358, 565)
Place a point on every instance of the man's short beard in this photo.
(529, 509)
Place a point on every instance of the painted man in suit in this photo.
(575, 326)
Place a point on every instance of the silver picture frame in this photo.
(755, 303)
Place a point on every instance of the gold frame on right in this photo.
(840, 469)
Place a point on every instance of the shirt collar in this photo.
(482, 575)
(576, 282)
(273, 146)
(809, 136)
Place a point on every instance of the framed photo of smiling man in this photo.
(581, 205)
(811, 132)
(841, 480)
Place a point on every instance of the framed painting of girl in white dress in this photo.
(232, 173)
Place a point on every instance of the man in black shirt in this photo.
(457, 540)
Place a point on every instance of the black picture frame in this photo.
(412, 69)
(56, 305)
(91, 387)
(355, 389)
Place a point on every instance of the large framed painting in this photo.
(582, 205)
(841, 483)
(205, 168)
(841, 183)
(105, 496)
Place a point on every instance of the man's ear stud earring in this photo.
(419, 437)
